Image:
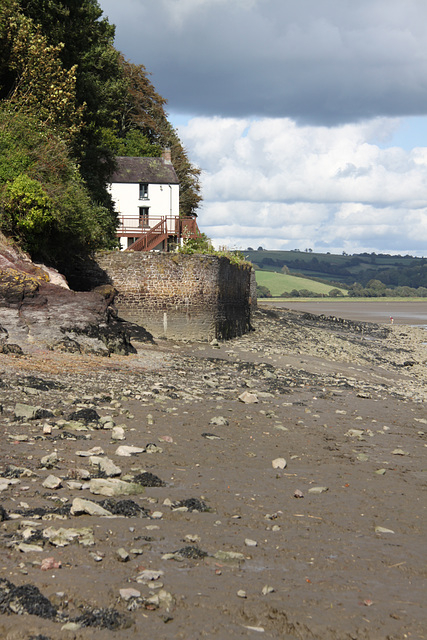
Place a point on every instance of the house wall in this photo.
(163, 200)
(177, 296)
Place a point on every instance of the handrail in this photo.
(148, 238)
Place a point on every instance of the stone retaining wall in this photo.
(177, 296)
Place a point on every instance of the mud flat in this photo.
(270, 486)
(413, 313)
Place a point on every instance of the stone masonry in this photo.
(178, 296)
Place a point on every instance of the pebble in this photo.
(250, 543)
(52, 482)
(248, 398)
(128, 450)
(318, 490)
(128, 594)
(279, 463)
(122, 555)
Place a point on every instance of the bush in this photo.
(263, 292)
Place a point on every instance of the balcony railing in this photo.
(149, 233)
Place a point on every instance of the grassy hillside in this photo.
(278, 283)
(392, 270)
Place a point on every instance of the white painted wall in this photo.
(163, 200)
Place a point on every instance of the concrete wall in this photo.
(178, 296)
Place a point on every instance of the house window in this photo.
(143, 217)
(143, 190)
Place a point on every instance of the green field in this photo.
(278, 283)
(392, 270)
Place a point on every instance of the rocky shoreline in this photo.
(272, 484)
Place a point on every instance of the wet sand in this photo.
(329, 545)
(412, 313)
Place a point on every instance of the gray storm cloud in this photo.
(317, 61)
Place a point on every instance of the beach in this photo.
(268, 486)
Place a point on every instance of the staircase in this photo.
(178, 228)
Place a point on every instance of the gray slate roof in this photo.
(152, 170)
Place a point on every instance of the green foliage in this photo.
(262, 291)
(343, 270)
(44, 203)
(203, 245)
(70, 103)
(335, 293)
(27, 208)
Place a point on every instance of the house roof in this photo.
(151, 170)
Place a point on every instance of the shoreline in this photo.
(365, 310)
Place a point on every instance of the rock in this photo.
(383, 530)
(149, 575)
(118, 433)
(128, 594)
(122, 555)
(219, 421)
(248, 398)
(362, 457)
(400, 452)
(50, 460)
(106, 422)
(28, 548)
(62, 537)
(114, 487)
(25, 411)
(95, 451)
(318, 490)
(267, 589)
(279, 463)
(298, 493)
(80, 506)
(355, 433)
(50, 563)
(381, 472)
(241, 593)
(52, 482)
(105, 465)
(128, 450)
(250, 543)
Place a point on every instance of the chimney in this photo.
(166, 156)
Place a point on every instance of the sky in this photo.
(308, 118)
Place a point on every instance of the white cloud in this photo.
(271, 182)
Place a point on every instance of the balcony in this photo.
(158, 229)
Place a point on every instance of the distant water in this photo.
(412, 313)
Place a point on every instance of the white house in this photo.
(146, 196)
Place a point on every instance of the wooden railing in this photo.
(159, 229)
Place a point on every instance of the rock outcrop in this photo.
(38, 310)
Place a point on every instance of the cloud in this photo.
(276, 184)
(316, 62)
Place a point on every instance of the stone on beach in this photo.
(128, 450)
(114, 487)
(80, 506)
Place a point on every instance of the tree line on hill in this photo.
(363, 275)
(69, 104)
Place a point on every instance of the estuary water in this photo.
(412, 313)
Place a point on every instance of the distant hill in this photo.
(278, 283)
(392, 270)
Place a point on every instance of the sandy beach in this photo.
(270, 486)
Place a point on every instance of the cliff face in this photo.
(38, 310)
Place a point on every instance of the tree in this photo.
(86, 39)
(44, 203)
(143, 118)
(32, 76)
